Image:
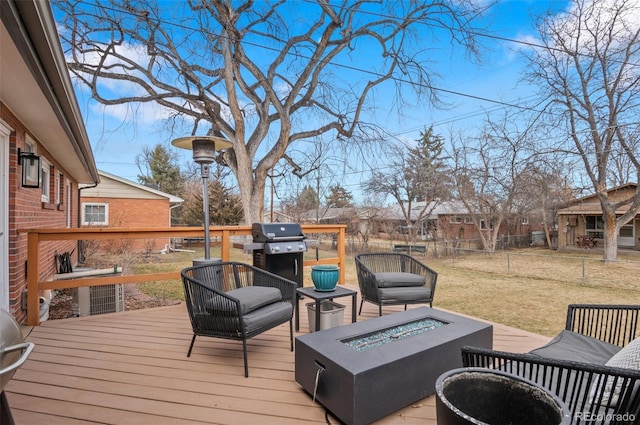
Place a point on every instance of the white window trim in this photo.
(455, 219)
(58, 179)
(45, 186)
(97, 204)
(67, 199)
(524, 220)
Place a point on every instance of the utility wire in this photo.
(499, 104)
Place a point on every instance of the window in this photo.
(468, 219)
(46, 181)
(32, 170)
(455, 219)
(483, 225)
(95, 214)
(67, 207)
(594, 226)
(58, 188)
(524, 221)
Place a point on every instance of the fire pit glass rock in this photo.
(393, 334)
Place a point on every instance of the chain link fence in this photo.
(516, 256)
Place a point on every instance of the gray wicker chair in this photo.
(236, 301)
(394, 279)
(594, 392)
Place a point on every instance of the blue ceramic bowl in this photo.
(324, 277)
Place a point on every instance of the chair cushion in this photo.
(405, 294)
(393, 279)
(627, 358)
(576, 347)
(251, 298)
(267, 317)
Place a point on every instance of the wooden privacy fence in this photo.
(222, 233)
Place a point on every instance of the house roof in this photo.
(326, 214)
(435, 209)
(392, 212)
(111, 187)
(35, 85)
(590, 204)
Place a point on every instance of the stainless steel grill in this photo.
(279, 248)
(13, 353)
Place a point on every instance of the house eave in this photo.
(36, 87)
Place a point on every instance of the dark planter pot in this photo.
(485, 396)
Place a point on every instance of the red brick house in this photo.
(118, 202)
(44, 149)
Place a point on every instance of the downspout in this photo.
(171, 240)
(81, 257)
(171, 215)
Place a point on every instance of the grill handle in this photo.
(26, 346)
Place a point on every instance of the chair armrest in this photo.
(584, 388)
(615, 324)
(430, 275)
(366, 280)
(199, 296)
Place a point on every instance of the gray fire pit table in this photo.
(364, 371)
(319, 296)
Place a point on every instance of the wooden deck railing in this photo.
(36, 236)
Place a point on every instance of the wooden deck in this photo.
(131, 368)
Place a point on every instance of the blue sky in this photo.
(118, 134)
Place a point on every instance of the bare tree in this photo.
(262, 73)
(545, 192)
(491, 173)
(416, 178)
(588, 66)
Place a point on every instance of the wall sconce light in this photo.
(30, 168)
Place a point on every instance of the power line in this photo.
(499, 104)
(340, 65)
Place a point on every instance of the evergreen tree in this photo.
(159, 170)
(339, 197)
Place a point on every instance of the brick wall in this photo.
(26, 211)
(132, 213)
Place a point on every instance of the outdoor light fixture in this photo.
(204, 153)
(30, 168)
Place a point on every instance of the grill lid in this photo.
(13, 350)
(276, 232)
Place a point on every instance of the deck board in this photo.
(131, 368)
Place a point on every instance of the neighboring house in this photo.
(447, 220)
(118, 202)
(44, 149)
(451, 220)
(584, 218)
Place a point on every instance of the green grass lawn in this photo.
(527, 289)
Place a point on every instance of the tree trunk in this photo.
(610, 236)
(251, 192)
(547, 235)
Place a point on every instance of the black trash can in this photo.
(485, 396)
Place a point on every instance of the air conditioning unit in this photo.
(92, 300)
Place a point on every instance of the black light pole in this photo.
(204, 152)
